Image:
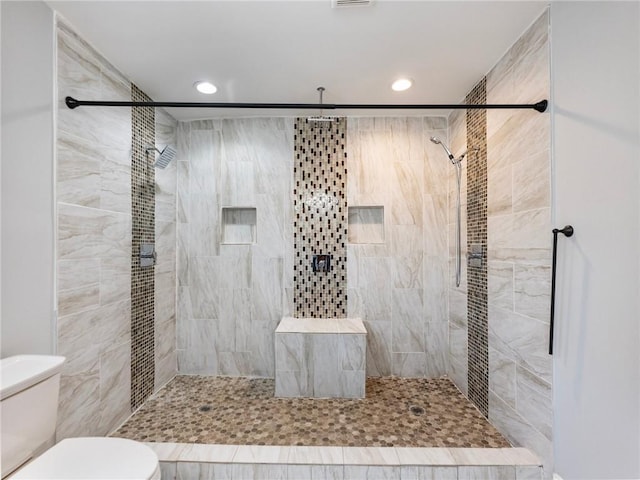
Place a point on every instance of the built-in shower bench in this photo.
(320, 357)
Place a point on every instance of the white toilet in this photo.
(29, 407)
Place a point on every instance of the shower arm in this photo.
(540, 106)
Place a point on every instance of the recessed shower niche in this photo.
(366, 224)
(238, 225)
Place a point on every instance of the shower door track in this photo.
(540, 106)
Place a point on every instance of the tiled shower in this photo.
(227, 266)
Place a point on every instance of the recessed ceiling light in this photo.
(401, 84)
(206, 87)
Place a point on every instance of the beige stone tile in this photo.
(425, 456)
(326, 472)
(532, 291)
(499, 190)
(115, 181)
(502, 376)
(367, 472)
(78, 273)
(482, 456)
(261, 454)
(83, 336)
(532, 182)
(91, 233)
(115, 386)
(197, 362)
(529, 473)
(458, 350)
(519, 431)
(79, 405)
(316, 455)
(521, 338)
(437, 355)
(78, 299)
(78, 171)
(267, 288)
(115, 279)
(500, 284)
(407, 323)
(168, 470)
(379, 361)
(429, 473)
(203, 453)
(520, 456)
(487, 473)
(534, 401)
(370, 456)
(165, 294)
(409, 364)
(435, 225)
(165, 369)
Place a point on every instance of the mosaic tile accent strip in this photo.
(320, 217)
(401, 412)
(477, 304)
(143, 231)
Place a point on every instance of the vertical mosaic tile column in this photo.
(477, 300)
(143, 231)
(320, 224)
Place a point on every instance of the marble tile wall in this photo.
(458, 324)
(398, 287)
(93, 182)
(165, 239)
(519, 239)
(518, 249)
(94, 244)
(231, 297)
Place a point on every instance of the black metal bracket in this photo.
(540, 106)
(567, 231)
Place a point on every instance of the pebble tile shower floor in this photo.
(397, 412)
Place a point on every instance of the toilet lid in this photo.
(93, 458)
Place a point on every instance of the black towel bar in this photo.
(567, 231)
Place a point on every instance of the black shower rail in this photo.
(71, 102)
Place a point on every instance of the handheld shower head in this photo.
(437, 141)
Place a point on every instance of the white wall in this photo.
(27, 178)
(596, 100)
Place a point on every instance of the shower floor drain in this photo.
(414, 409)
(205, 408)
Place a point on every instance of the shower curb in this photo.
(182, 460)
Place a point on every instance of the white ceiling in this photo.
(281, 51)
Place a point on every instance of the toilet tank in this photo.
(29, 386)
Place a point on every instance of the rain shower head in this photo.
(437, 141)
(166, 155)
(321, 118)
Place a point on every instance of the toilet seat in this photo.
(93, 458)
